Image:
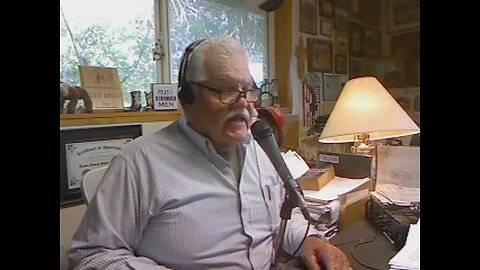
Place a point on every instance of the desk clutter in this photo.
(344, 189)
(392, 220)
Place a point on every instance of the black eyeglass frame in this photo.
(241, 93)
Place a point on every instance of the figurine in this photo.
(74, 93)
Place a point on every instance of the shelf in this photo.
(108, 118)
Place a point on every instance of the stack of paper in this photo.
(324, 213)
(295, 163)
(336, 187)
(409, 256)
(398, 195)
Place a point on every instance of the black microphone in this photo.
(262, 133)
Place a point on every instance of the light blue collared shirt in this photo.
(169, 201)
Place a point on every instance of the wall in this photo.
(378, 38)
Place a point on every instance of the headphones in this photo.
(185, 92)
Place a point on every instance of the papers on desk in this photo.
(409, 256)
(336, 187)
(397, 195)
(325, 214)
(295, 163)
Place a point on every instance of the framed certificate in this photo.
(85, 149)
(332, 86)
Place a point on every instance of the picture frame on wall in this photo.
(341, 64)
(308, 17)
(341, 19)
(319, 57)
(405, 49)
(366, 11)
(354, 67)
(372, 43)
(85, 149)
(326, 27)
(403, 15)
(356, 38)
(332, 86)
(341, 43)
(325, 8)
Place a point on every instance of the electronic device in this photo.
(394, 221)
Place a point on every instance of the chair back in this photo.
(90, 183)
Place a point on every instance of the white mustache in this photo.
(241, 113)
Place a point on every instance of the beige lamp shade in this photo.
(365, 107)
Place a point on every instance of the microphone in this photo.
(264, 136)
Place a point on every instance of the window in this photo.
(123, 34)
(191, 20)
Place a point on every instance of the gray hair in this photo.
(223, 47)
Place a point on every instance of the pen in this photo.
(269, 194)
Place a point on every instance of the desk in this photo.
(376, 251)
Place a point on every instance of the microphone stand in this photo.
(285, 214)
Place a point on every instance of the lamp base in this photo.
(363, 149)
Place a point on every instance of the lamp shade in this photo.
(365, 107)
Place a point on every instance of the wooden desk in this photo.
(365, 246)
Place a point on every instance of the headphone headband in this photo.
(185, 93)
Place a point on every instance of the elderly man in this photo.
(200, 193)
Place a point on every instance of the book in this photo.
(316, 178)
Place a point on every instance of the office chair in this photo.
(90, 182)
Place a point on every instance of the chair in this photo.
(90, 182)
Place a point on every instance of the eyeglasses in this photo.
(231, 96)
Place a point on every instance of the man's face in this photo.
(225, 125)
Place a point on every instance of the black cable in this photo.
(301, 243)
(352, 252)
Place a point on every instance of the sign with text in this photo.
(164, 96)
(103, 86)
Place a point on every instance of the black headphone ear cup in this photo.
(185, 93)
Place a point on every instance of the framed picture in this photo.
(403, 14)
(164, 96)
(366, 11)
(319, 55)
(325, 8)
(312, 97)
(341, 42)
(343, 4)
(356, 34)
(326, 27)
(354, 67)
(405, 50)
(308, 17)
(332, 86)
(84, 149)
(103, 86)
(341, 19)
(341, 64)
(372, 43)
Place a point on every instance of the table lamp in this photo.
(364, 112)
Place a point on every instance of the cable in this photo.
(352, 252)
(301, 243)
